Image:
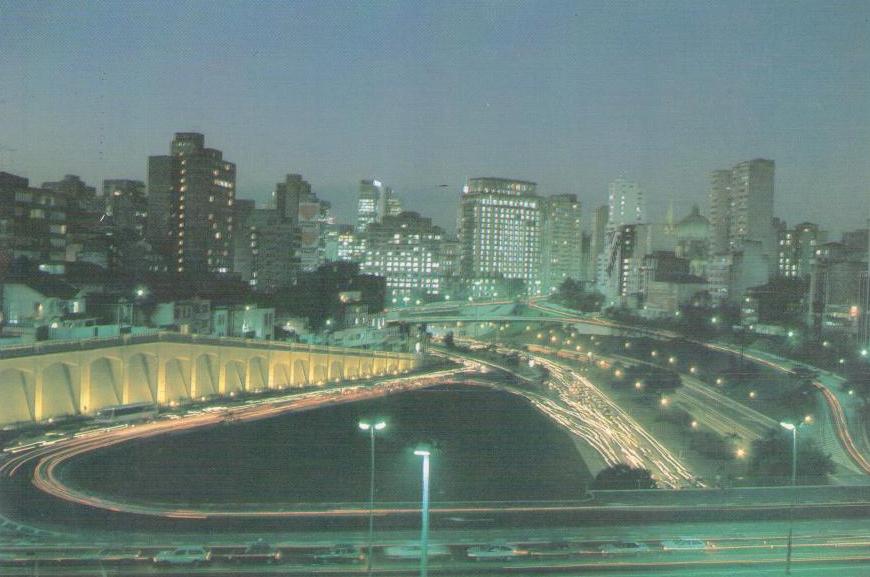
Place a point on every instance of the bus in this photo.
(127, 413)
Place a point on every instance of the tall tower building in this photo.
(190, 206)
(596, 249)
(288, 195)
(626, 203)
(562, 255)
(500, 234)
(741, 206)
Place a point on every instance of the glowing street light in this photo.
(371, 428)
(793, 429)
(424, 528)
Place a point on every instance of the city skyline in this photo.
(417, 97)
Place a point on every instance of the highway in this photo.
(828, 385)
(722, 547)
(583, 409)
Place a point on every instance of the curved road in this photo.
(835, 407)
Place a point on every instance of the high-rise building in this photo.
(797, 249)
(835, 290)
(407, 251)
(375, 202)
(626, 203)
(598, 241)
(126, 204)
(32, 223)
(288, 195)
(265, 253)
(500, 233)
(562, 238)
(190, 206)
(626, 207)
(741, 206)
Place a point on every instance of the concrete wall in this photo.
(49, 383)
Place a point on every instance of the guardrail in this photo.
(63, 346)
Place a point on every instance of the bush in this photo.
(771, 459)
(623, 477)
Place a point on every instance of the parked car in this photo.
(684, 544)
(623, 548)
(183, 556)
(340, 554)
(494, 552)
(414, 551)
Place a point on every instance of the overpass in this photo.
(51, 380)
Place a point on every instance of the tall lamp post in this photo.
(371, 428)
(424, 529)
(793, 428)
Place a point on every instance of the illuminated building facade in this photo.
(375, 202)
(406, 250)
(500, 233)
(797, 249)
(741, 206)
(562, 257)
(191, 194)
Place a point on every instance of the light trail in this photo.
(835, 408)
(584, 410)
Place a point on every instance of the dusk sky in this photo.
(570, 95)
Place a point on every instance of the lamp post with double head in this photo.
(371, 428)
(793, 429)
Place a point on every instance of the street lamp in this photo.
(371, 428)
(791, 427)
(424, 529)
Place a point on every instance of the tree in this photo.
(571, 294)
(771, 460)
(623, 477)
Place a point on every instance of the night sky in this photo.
(571, 95)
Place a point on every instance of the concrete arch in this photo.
(234, 379)
(141, 385)
(300, 372)
(104, 388)
(281, 376)
(336, 370)
(258, 373)
(177, 380)
(351, 371)
(60, 391)
(17, 392)
(319, 373)
(207, 375)
(379, 366)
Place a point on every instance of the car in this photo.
(183, 556)
(117, 556)
(556, 549)
(494, 552)
(623, 548)
(684, 544)
(339, 554)
(257, 552)
(414, 551)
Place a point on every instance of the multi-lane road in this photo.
(827, 383)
